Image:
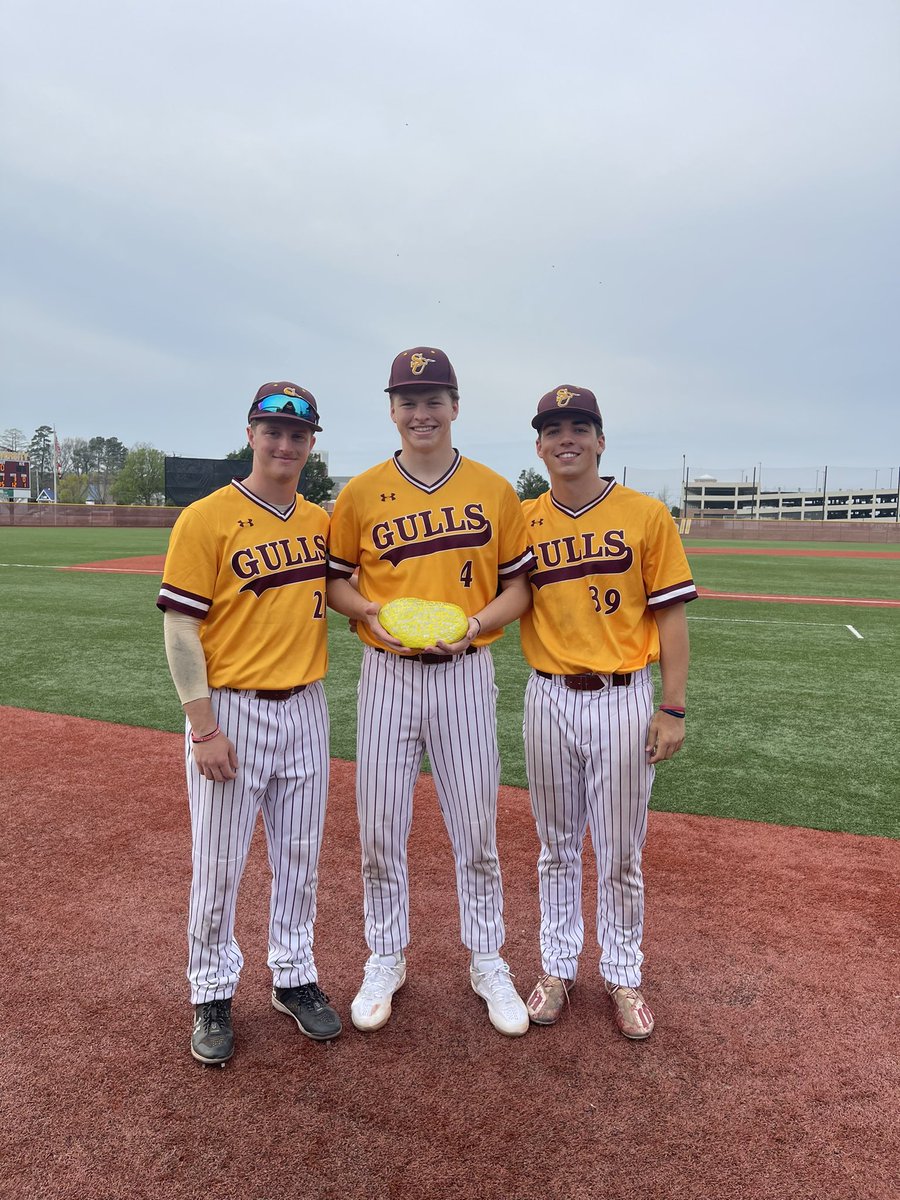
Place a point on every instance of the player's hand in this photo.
(664, 738)
(216, 760)
(370, 616)
(459, 647)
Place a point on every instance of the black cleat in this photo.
(309, 1007)
(212, 1041)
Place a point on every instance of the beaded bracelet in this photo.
(207, 737)
(674, 710)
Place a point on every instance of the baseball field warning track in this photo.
(706, 593)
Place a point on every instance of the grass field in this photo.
(878, 578)
(791, 714)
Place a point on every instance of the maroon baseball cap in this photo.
(423, 366)
(285, 400)
(567, 401)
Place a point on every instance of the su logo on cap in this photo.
(563, 396)
(418, 363)
(289, 391)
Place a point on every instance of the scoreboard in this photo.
(15, 475)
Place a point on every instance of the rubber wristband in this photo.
(673, 712)
(207, 737)
(478, 623)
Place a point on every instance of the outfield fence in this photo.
(122, 516)
(728, 528)
(88, 516)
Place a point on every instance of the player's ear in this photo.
(537, 446)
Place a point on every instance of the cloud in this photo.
(691, 210)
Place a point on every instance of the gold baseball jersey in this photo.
(255, 577)
(599, 576)
(454, 540)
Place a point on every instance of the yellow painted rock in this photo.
(417, 623)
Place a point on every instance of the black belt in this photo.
(278, 694)
(430, 660)
(588, 682)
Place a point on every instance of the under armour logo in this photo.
(388, 496)
(539, 521)
(249, 521)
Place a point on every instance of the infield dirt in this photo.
(772, 966)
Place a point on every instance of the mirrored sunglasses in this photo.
(294, 406)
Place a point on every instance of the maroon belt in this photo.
(283, 694)
(430, 660)
(588, 682)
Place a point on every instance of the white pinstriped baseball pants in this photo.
(282, 748)
(586, 763)
(450, 710)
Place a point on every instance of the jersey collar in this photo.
(572, 512)
(428, 487)
(270, 508)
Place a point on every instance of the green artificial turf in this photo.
(88, 645)
(344, 658)
(791, 717)
(875, 578)
(61, 547)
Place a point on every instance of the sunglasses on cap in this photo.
(286, 405)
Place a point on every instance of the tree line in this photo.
(100, 469)
(103, 470)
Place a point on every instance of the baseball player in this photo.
(609, 588)
(243, 594)
(431, 524)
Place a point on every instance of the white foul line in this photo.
(79, 567)
(750, 621)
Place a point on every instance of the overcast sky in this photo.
(690, 208)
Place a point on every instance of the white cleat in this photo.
(371, 1007)
(506, 1008)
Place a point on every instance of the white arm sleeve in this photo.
(184, 650)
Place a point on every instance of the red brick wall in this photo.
(98, 516)
(876, 532)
